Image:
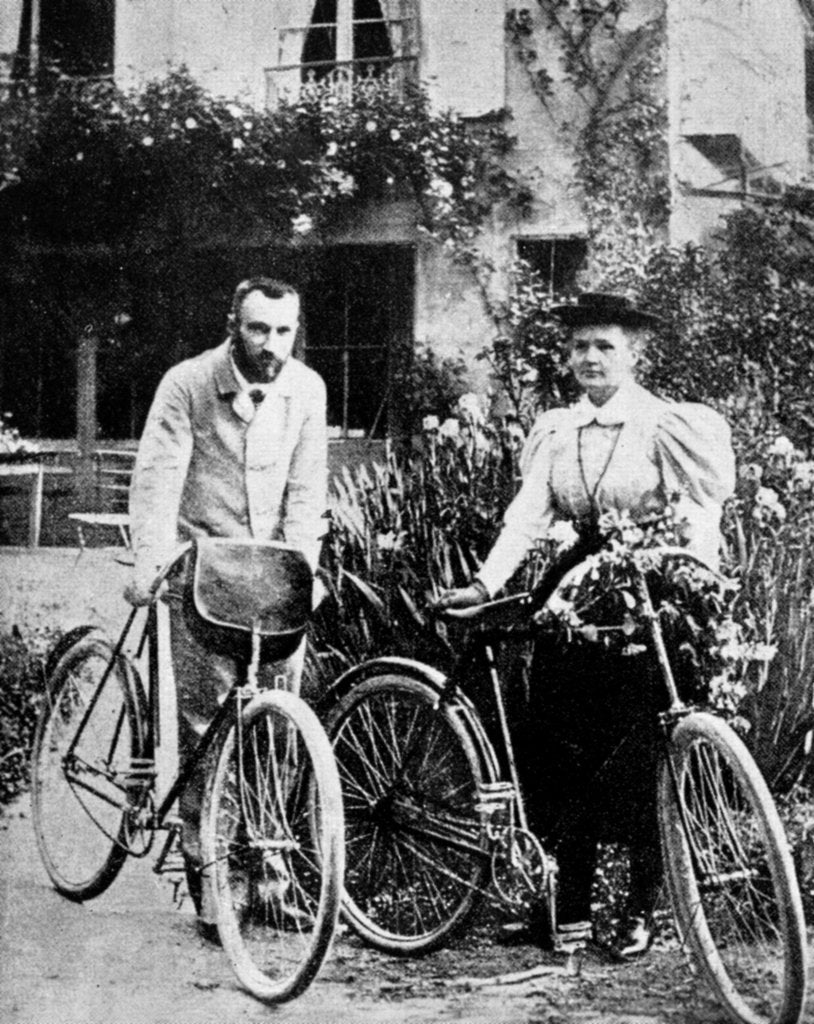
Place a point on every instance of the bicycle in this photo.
(272, 830)
(435, 819)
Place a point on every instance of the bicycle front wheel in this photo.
(272, 834)
(732, 881)
(410, 773)
(80, 783)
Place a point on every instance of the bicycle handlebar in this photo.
(517, 602)
(168, 566)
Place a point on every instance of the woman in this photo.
(618, 448)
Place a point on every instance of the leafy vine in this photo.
(97, 161)
(620, 139)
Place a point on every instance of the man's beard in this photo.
(260, 369)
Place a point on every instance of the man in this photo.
(235, 445)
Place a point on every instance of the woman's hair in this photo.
(268, 286)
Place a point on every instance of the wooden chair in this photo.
(112, 471)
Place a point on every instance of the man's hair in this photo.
(268, 286)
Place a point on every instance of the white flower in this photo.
(238, 144)
(302, 224)
(762, 652)
(80, 157)
(395, 134)
(332, 149)
(562, 533)
(450, 428)
(781, 446)
(234, 110)
(804, 473)
(767, 496)
(190, 123)
(441, 187)
(470, 408)
(430, 423)
(516, 435)
(386, 541)
(371, 126)
(148, 140)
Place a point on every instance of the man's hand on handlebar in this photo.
(139, 592)
(463, 597)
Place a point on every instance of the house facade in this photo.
(737, 89)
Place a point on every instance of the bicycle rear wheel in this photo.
(730, 873)
(272, 835)
(410, 771)
(80, 797)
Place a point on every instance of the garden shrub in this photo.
(22, 690)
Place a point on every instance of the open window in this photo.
(346, 45)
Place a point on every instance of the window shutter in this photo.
(464, 49)
(10, 25)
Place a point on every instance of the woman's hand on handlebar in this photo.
(462, 597)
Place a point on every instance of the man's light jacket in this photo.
(206, 466)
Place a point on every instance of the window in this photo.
(346, 45)
(556, 260)
(358, 311)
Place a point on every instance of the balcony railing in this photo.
(340, 80)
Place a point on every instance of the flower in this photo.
(302, 224)
(429, 423)
(238, 144)
(332, 149)
(562, 533)
(441, 187)
(470, 408)
(234, 110)
(395, 134)
(371, 126)
(450, 428)
(80, 157)
(190, 123)
(804, 473)
(148, 140)
(387, 541)
(767, 502)
(781, 446)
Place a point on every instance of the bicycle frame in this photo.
(514, 616)
(142, 774)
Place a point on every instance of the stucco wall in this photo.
(737, 69)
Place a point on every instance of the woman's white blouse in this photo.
(639, 452)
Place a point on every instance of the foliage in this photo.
(22, 688)
(615, 69)
(770, 529)
(406, 529)
(605, 605)
(431, 384)
(173, 151)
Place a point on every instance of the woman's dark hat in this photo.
(604, 308)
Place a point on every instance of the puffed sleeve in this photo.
(529, 515)
(694, 452)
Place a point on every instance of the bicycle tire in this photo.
(272, 837)
(79, 810)
(730, 874)
(402, 755)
